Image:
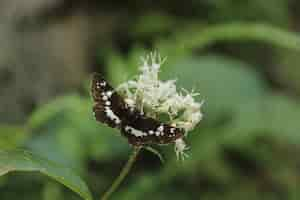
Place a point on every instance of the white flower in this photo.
(149, 93)
(180, 148)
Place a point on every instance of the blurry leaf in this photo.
(26, 186)
(47, 145)
(12, 136)
(46, 123)
(196, 37)
(286, 70)
(154, 23)
(47, 112)
(117, 68)
(275, 116)
(52, 191)
(71, 135)
(223, 83)
(24, 161)
(121, 69)
(269, 11)
(142, 186)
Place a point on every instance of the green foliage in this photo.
(12, 136)
(244, 124)
(272, 116)
(24, 161)
(275, 11)
(286, 71)
(259, 131)
(73, 133)
(223, 83)
(198, 37)
(245, 147)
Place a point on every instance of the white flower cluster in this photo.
(153, 97)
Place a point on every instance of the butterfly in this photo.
(111, 109)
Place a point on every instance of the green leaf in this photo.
(197, 37)
(52, 191)
(273, 116)
(121, 69)
(12, 136)
(271, 11)
(287, 71)
(153, 24)
(49, 111)
(223, 83)
(17, 160)
(117, 70)
(71, 134)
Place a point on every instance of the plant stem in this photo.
(122, 174)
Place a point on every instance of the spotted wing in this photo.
(109, 106)
(144, 130)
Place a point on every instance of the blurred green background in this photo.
(242, 56)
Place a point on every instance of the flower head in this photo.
(154, 97)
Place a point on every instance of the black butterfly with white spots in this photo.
(111, 109)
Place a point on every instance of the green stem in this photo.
(122, 174)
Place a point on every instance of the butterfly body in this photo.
(111, 109)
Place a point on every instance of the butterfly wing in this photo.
(109, 106)
(144, 130)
